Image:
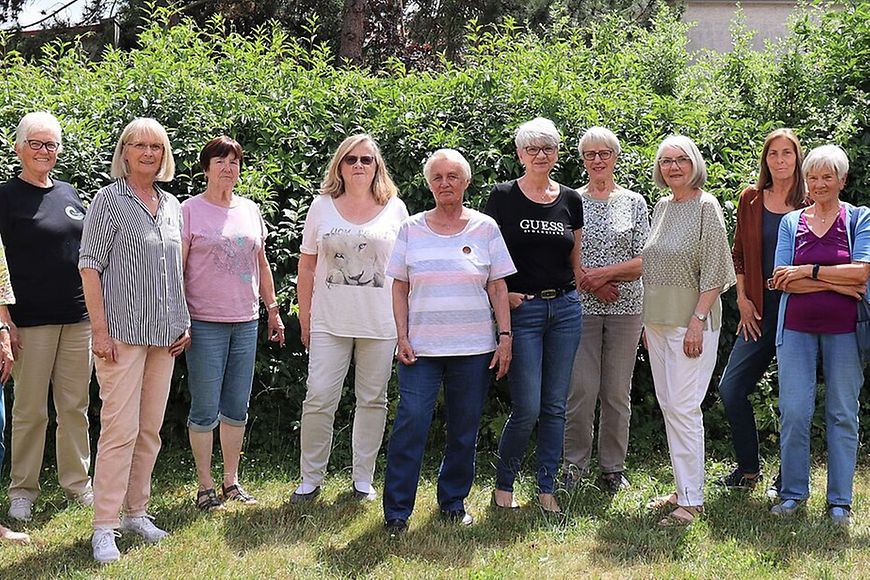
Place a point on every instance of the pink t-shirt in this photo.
(222, 272)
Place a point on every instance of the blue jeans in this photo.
(466, 382)
(220, 370)
(748, 361)
(844, 375)
(546, 335)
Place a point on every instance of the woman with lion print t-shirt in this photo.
(345, 309)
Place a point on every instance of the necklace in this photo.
(826, 218)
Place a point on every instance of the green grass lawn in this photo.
(598, 536)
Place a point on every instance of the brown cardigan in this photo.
(747, 252)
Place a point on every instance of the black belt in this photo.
(549, 293)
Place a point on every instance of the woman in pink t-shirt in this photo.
(225, 274)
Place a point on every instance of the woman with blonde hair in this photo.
(132, 275)
(345, 309)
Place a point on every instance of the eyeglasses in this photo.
(604, 154)
(681, 161)
(146, 146)
(364, 159)
(36, 145)
(533, 150)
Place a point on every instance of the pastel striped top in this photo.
(7, 296)
(448, 308)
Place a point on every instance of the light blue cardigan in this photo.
(860, 248)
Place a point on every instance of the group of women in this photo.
(452, 293)
(126, 289)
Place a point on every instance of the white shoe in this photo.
(143, 526)
(103, 543)
(21, 509)
(86, 498)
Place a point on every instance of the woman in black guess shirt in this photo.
(541, 222)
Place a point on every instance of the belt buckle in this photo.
(548, 294)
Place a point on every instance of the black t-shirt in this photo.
(41, 228)
(539, 237)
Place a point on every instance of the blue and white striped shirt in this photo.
(138, 257)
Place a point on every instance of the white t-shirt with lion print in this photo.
(352, 294)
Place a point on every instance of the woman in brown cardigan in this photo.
(779, 190)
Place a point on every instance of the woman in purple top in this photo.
(822, 265)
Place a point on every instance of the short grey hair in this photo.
(138, 128)
(827, 157)
(537, 131)
(699, 168)
(449, 155)
(599, 135)
(37, 121)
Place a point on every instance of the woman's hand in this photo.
(593, 279)
(749, 318)
(501, 358)
(608, 293)
(405, 353)
(6, 357)
(515, 299)
(855, 291)
(784, 275)
(305, 331)
(693, 342)
(276, 328)
(181, 343)
(103, 346)
(14, 339)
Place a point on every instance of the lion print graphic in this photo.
(352, 260)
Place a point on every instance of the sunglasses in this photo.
(364, 159)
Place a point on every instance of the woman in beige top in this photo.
(686, 266)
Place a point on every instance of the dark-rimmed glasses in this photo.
(604, 154)
(36, 145)
(547, 150)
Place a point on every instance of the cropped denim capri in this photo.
(220, 371)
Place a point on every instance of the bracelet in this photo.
(507, 333)
(4, 326)
(816, 271)
(272, 305)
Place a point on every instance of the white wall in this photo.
(713, 19)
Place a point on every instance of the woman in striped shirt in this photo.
(131, 269)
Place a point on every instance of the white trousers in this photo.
(681, 384)
(328, 362)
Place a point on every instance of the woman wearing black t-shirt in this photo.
(541, 222)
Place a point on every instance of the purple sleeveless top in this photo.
(821, 312)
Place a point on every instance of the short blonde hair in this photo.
(699, 169)
(383, 187)
(137, 128)
(37, 121)
(450, 155)
(599, 135)
(538, 130)
(827, 156)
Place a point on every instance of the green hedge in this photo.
(289, 107)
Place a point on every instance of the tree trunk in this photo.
(353, 30)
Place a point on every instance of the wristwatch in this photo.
(508, 333)
(701, 317)
(816, 271)
(4, 326)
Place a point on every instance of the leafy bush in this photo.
(289, 107)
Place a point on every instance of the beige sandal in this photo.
(683, 515)
(662, 501)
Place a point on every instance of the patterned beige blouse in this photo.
(687, 253)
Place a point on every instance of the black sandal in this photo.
(208, 501)
(236, 493)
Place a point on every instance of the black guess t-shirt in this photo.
(41, 228)
(539, 237)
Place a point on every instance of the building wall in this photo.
(713, 19)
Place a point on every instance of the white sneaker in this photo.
(143, 526)
(103, 543)
(86, 498)
(21, 509)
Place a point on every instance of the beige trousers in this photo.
(60, 355)
(328, 363)
(603, 368)
(134, 390)
(681, 384)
